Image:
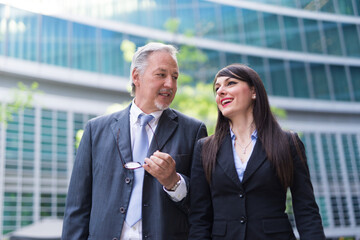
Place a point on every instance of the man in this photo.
(106, 200)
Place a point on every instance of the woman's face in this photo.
(233, 96)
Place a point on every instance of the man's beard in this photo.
(160, 106)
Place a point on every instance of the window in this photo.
(319, 81)
(332, 38)
(312, 35)
(83, 48)
(272, 31)
(292, 34)
(299, 79)
(278, 78)
(250, 21)
(339, 79)
(54, 41)
(230, 25)
(351, 39)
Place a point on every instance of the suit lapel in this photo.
(257, 157)
(164, 130)
(121, 126)
(225, 160)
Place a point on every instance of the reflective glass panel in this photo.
(278, 78)
(257, 63)
(351, 39)
(319, 81)
(355, 80)
(250, 22)
(292, 34)
(233, 58)
(3, 27)
(346, 7)
(230, 26)
(326, 6)
(299, 79)
(272, 31)
(23, 35)
(83, 48)
(160, 12)
(209, 68)
(312, 35)
(112, 57)
(332, 38)
(54, 41)
(185, 12)
(340, 83)
(208, 24)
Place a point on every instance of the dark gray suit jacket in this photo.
(253, 209)
(100, 187)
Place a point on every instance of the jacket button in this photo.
(122, 210)
(114, 239)
(127, 180)
(241, 195)
(243, 220)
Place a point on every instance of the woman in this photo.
(240, 175)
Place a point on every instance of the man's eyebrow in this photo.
(164, 70)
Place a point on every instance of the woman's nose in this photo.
(220, 91)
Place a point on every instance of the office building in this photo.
(307, 52)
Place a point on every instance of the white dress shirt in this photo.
(135, 232)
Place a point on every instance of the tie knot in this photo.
(144, 119)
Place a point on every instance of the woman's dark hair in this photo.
(274, 140)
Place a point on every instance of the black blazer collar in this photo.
(225, 160)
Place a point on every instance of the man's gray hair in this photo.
(140, 58)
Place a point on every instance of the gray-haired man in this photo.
(111, 198)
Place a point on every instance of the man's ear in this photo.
(136, 77)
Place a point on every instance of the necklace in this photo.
(247, 145)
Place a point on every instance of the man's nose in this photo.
(169, 82)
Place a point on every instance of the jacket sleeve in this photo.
(201, 210)
(306, 210)
(78, 202)
(185, 202)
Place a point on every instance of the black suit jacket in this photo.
(100, 187)
(253, 209)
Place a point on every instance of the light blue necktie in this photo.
(141, 146)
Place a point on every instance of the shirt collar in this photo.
(135, 111)
(253, 135)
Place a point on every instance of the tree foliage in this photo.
(22, 97)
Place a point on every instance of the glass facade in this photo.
(307, 50)
(78, 46)
(36, 165)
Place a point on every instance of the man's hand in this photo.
(162, 166)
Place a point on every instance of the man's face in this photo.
(157, 84)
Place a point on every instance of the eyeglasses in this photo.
(133, 165)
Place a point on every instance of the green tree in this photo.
(22, 97)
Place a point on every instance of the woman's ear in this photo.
(253, 93)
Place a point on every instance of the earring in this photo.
(254, 96)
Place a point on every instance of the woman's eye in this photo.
(231, 83)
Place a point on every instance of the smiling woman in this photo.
(249, 163)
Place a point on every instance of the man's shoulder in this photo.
(108, 118)
(186, 118)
